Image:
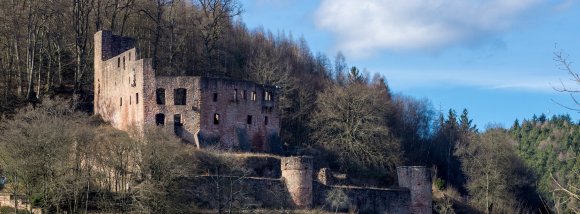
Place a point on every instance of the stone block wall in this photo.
(414, 196)
(224, 113)
(297, 175)
(187, 114)
(118, 81)
(248, 120)
(366, 200)
(240, 193)
(418, 180)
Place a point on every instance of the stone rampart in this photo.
(364, 199)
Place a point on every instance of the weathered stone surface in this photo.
(126, 95)
(367, 200)
(418, 180)
(297, 174)
(208, 192)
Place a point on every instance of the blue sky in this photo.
(493, 57)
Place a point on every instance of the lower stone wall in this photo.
(238, 193)
(364, 200)
(296, 189)
(248, 193)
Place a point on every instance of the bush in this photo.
(439, 183)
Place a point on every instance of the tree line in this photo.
(345, 117)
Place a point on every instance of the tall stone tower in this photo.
(102, 52)
(297, 174)
(418, 180)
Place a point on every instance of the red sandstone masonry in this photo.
(125, 95)
(297, 174)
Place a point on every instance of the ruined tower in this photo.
(297, 174)
(418, 180)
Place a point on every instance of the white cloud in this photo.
(363, 27)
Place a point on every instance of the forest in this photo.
(347, 118)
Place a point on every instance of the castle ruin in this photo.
(206, 111)
(231, 114)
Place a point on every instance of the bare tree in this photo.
(494, 171)
(81, 20)
(564, 64)
(214, 20)
(350, 122)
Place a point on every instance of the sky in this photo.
(492, 57)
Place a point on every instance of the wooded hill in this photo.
(345, 117)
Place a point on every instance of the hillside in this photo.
(61, 157)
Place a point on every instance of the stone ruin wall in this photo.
(126, 95)
(119, 81)
(206, 97)
(297, 189)
(367, 200)
(297, 174)
(236, 102)
(188, 114)
(125, 88)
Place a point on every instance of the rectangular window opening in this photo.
(177, 124)
(160, 119)
(266, 120)
(236, 94)
(249, 120)
(136, 98)
(215, 97)
(180, 96)
(120, 101)
(160, 95)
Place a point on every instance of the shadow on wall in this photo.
(208, 141)
(272, 144)
(230, 193)
(243, 139)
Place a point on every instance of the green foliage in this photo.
(449, 135)
(551, 147)
(439, 183)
